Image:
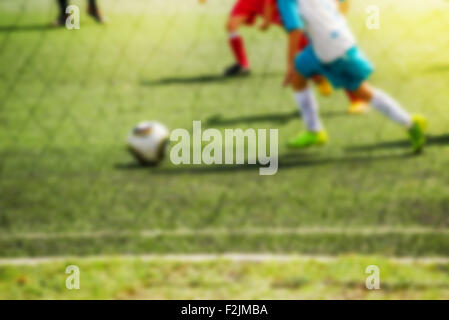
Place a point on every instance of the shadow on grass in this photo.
(201, 79)
(286, 161)
(431, 140)
(185, 80)
(26, 28)
(218, 120)
(280, 118)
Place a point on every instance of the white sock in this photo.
(309, 109)
(391, 108)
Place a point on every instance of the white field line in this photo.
(366, 231)
(198, 258)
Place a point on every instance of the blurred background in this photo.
(71, 194)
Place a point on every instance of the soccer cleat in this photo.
(358, 107)
(308, 139)
(417, 133)
(236, 70)
(324, 87)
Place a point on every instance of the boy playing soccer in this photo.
(357, 106)
(246, 12)
(333, 53)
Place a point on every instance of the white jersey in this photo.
(326, 27)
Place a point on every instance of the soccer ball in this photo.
(148, 141)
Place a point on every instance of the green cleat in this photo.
(417, 133)
(308, 139)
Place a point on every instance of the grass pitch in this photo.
(298, 278)
(69, 98)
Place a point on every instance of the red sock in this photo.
(352, 97)
(238, 48)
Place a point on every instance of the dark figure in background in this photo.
(92, 10)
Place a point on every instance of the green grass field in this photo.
(118, 278)
(68, 187)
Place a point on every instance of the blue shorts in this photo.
(346, 72)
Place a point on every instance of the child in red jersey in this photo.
(246, 12)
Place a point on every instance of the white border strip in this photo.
(368, 231)
(233, 257)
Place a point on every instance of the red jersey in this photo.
(253, 8)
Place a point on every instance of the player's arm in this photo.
(294, 26)
(268, 14)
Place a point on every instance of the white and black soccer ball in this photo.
(148, 142)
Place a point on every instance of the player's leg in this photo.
(324, 87)
(241, 66)
(307, 66)
(352, 72)
(357, 106)
(62, 15)
(381, 101)
(94, 11)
